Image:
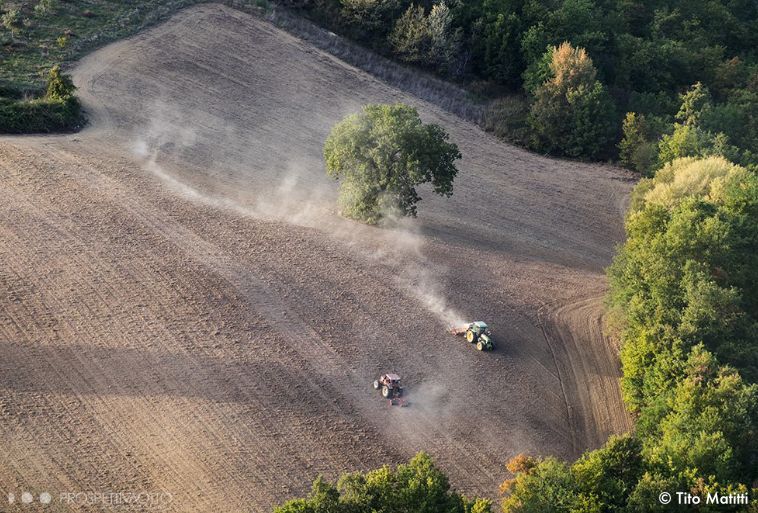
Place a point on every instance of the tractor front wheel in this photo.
(376, 384)
(386, 392)
(470, 336)
(480, 346)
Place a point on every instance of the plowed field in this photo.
(182, 309)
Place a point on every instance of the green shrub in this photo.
(13, 21)
(57, 111)
(39, 116)
(59, 86)
(44, 7)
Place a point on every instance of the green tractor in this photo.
(476, 333)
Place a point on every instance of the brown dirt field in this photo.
(181, 309)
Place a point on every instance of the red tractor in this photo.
(390, 387)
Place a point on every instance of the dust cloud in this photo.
(297, 199)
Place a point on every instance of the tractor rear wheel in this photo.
(480, 346)
(470, 336)
(386, 392)
(376, 384)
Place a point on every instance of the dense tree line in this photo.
(701, 128)
(643, 55)
(416, 487)
(683, 291)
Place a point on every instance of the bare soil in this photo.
(182, 309)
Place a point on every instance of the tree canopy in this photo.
(572, 113)
(600, 481)
(683, 287)
(414, 487)
(381, 154)
(686, 274)
(645, 54)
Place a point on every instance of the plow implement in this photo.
(458, 329)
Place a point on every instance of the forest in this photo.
(590, 79)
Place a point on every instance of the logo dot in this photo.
(27, 498)
(45, 498)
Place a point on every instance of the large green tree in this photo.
(381, 154)
(572, 113)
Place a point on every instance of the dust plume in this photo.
(418, 275)
(301, 195)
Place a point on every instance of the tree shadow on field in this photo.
(106, 371)
(503, 244)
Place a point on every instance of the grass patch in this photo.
(49, 32)
(36, 35)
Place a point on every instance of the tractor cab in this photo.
(480, 328)
(391, 379)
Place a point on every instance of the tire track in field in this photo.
(209, 256)
(590, 371)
